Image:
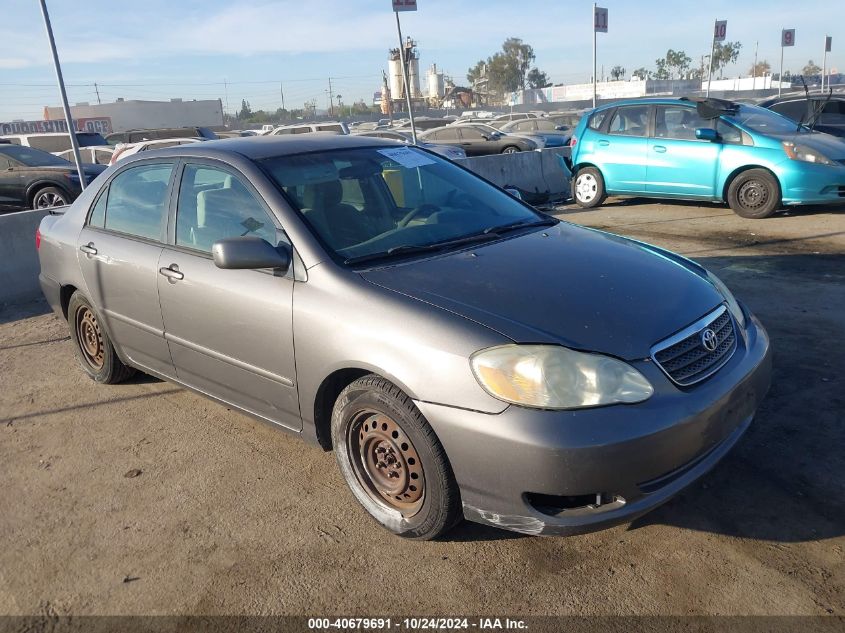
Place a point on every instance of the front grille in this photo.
(684, 358)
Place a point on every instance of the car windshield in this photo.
(32, 157)
(764, 121)
(384, 202)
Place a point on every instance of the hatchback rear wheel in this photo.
(392, 460)
(754, 194)
(92, 345)
(588, 188)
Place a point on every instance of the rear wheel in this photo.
(92, 345)
(588, 188)
(49, 197)
(754, 194)
(510, 149)
(392, 460)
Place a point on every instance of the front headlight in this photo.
(553, 377)
(733, 306)
(796, 151)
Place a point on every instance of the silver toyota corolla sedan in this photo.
(461, 353)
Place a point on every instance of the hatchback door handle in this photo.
(171, 273)
(88, 248)
(660, 148)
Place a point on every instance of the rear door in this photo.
(230, 332)
(119, 250)
(621, 151)
(678, 163)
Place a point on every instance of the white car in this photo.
(338, 127)
(122, 150)
(95, 154)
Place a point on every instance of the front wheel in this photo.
(49, 197)
(510, 149)
(588, 188)
(392, 460)
(754, 194)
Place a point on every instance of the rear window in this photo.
(331, 128)
(90, 139)
(597, 119)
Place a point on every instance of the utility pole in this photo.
(226, 93)
(282, 92)
(406, 79)
(331, 99)
(74, 142)
(754, 70)
(594, 54)
(97, 90)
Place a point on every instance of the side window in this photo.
(728, 132)
(471, 134)
(301, 130)
(447, 134)
(213, 204)
(629, 121)
(679, 122)
(98, 213)
(597, 119)
(137, 200)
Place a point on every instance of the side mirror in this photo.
(486, 137)
(238, 253)
(706, 134)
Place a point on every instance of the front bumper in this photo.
(627, 459)
(806, 183)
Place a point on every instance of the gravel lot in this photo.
(230, 516)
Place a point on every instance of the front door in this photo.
(230, 332)
(678, 163)
(621, 152)
(118, 251)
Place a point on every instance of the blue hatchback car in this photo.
(704, 149)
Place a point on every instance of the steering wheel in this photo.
(415, 212)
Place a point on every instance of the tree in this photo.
(641, 73)
(617, 73)
(677, 63)
(477, 72)
(662, 71)
(246, 111)
(724, 54)
(760, 69)
(507, 70)
(537, 79)
(811, 69)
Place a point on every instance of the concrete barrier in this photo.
(18, 258)
(538, 175)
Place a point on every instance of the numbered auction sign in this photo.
(721, 30)
(404, 5)
(787, 37)
(600, 20)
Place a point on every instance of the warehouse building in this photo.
(135, 115)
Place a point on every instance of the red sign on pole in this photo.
(720, 31)
(787, 37)
(404, 5)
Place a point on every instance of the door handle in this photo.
(659, 148)
(88, 248)
(604, 143)
(171, 273)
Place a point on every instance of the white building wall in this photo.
(133, 115)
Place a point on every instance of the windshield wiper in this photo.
(410, 249)
(520, 225)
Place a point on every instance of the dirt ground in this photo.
(230, 516)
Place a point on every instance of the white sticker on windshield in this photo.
(406, 156)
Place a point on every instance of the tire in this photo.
(378, 436)
(588, 188)
(510, 149)
(91, 343)
(754, 194)
(49, 197)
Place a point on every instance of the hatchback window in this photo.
(629, 121)
(597, 119)
(215, 204)
(678, 122)
(137, 201)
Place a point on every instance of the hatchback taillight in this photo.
(573, 142)
(37, 239)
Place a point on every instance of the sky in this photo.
(258, 49)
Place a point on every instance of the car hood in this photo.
(831, 146)
(565, 285)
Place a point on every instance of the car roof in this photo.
(261, 147)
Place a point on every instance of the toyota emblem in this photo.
(709, 340)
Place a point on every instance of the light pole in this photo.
(74, 142)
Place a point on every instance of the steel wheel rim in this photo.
(586, 187)
(753, 194)
(48, 201)
(386, 463)
(90, 338)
